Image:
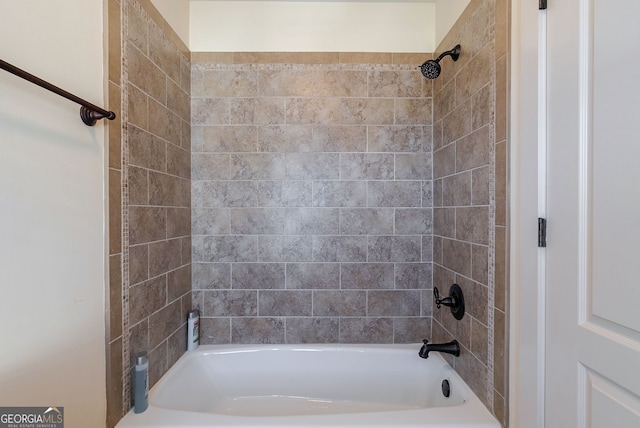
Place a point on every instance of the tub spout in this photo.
(452, 348)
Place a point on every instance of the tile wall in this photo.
(312, 197)
(470, 198)
(149, 196)
(324, 192)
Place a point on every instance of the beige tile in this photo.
(480, 186)
(410, 58)
(502, 14)
(312, 330)
(479, 341)
(146, 75)
(456, 189)
(137, 28)
(472, 224)
(138, 107)
(164, 256)
(474, 150)
(198, 58)
(164, 322)
(147, 151)
(476, 74)
(414, 111)
(366, 330)
(115, 296)
(501, 184)
(502, 94)
(164, 123)
(163, 53)
(444, 101)
(257, 330)
(500, 408)
(476, 299)
(480, 264)
(179, 283)
(138, 263)
(114, 41)
(456, 256)
(115, 127)
(178, 161)
(259, 58)
(340, 83)
(366, 58)
(474, 373)
(146, 224)
(393, 303)
(444, 161)
(229, 83)
(138, 186)
(438, 140)
(178, 222)
(158, 363)
(444, 222)
(115, 212)
(483, 106)
(285, 82)
(402, 83)
(147, 298)
(479, 30)
(312, 57)
(457, 123)
(500, 352)
(501, 280)
(178, 101)
(164, 189)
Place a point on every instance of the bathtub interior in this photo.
(298, 380)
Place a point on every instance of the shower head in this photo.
(431, 67)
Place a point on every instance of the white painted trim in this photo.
(524, 313)
(542, 209)
(585, 185)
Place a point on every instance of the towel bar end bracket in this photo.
(90, 117)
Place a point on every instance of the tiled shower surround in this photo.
(149, 196)
(312, 198)
(306, 197)
(470, 197)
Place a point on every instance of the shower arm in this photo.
(455, 53)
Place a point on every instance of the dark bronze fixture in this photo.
(89, 113)
(431, 67)
(455, 300)
(452, 348)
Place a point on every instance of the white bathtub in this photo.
(310, 386)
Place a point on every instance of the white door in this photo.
(593, 211)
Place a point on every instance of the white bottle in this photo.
(193, 330)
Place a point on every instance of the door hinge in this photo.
(542, 4)
(542, 232)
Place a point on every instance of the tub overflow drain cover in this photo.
(446, 388)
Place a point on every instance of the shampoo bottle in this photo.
(141, 383)
(193, 330)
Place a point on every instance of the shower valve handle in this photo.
(447, 301)
(455, 301)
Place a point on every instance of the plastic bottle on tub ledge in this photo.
(141, 383)
(193, 330)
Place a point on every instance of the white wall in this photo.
(176, 13)
(447, 13)
(311, 26)
(52, 211)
